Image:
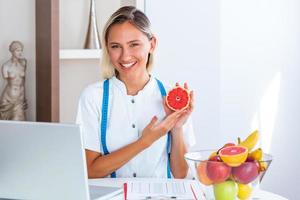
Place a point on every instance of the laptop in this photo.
(45, 161)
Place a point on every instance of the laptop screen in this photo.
(42, 161)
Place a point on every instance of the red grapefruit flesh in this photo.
(178, 98)
(233, 155)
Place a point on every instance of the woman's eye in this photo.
(114, 46)
(134, 44)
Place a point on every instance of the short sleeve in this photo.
(88, 117)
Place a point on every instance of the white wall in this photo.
(17, 22)
(181, 56)
(260, 73)
(74, 17)
(241, 59)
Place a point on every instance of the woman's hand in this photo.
(187, 111)
(155, 130)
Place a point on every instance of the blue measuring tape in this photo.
(163, 94)
(104, 119)
(103, 123)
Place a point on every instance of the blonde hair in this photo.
(136, 18)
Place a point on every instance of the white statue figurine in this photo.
(13, 101)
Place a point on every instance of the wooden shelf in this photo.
(79, 54)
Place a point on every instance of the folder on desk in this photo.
(163, 188)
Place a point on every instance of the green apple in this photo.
(226, 190)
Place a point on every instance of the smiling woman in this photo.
(129, 50)
(139, 135)
(132, 37)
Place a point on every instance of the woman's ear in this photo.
(153, 43)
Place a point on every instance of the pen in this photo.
(125, 191)
(193, 192)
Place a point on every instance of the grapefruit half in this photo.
(233, 155)
(178, 98)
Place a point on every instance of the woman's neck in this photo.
(135, 84)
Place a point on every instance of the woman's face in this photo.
(128, 49)
(17, 53)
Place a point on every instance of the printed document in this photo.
(164, 189)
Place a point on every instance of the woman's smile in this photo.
(128, 65)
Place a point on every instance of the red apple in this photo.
(215, 158)
(246, 172)
(249, 159)
(217, 171)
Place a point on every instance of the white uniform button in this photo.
(133, 125)
(132, 101)
(134, 174)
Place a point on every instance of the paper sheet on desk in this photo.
(164, 189)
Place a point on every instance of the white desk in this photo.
(118, 182)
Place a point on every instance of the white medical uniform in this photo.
(127, 117)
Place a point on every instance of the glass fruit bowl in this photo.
(220, 181)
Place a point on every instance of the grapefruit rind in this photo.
(233, 156)
(178, 98)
